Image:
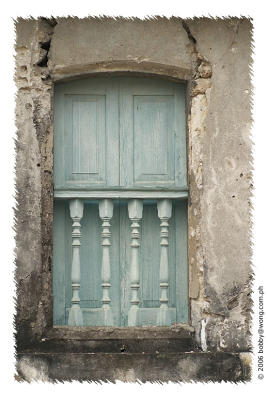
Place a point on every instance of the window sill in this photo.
(152, 339)
(101, 332)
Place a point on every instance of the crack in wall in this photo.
(189, 33)
(47, 28)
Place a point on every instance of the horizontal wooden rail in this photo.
(123, 194)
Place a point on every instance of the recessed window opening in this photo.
(120, 209)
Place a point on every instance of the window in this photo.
(120, 211)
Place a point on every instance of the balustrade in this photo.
(76, 212)
(135, 212)
(164, 213)
(135, 208)
(106, 213)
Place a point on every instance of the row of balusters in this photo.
(135, 209)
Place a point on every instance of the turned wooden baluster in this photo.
(76, 212)
(106, 213)
(164, 213)
(135, 208)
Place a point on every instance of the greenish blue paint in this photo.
(120, 134)
(90, 260)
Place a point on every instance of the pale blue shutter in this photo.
(120, 139)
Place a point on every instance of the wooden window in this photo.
(120, 211)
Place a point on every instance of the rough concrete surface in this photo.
(174, 367)
(213, 56)
(226, 181)
(159, 41)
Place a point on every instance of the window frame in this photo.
(122, 88)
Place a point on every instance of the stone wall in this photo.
(214, 57)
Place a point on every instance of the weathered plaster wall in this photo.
(214, 57)
(95, 41)
(34, 181)
(225, 184)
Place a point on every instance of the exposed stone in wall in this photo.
(197, 112)
(221, 164)
(34, 179)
